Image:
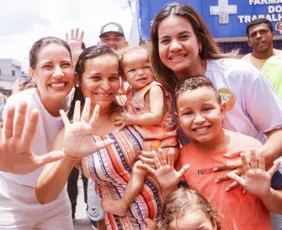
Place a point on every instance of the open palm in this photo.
(167, 176)
(75, 39)
(15, 146)
(256, 180)
(78, 138)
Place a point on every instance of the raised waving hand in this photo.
(165, 172)
(256, 179)
(75, 39)
(78, 138)
(15, 145)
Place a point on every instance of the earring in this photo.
(200, 50)
(77, 85)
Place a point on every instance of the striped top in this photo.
(111, 167)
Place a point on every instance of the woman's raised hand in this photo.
(78, 138)
(256, 179)
(15, 145)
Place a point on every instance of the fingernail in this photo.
(214, 169)
(216, 181)
(225, 154)
(227, 189)
(244, 192)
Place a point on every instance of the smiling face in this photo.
(200, 114)
(179, 46)
(192, 220)
(136, 69)
(53, 74)
(260, 38)
(114, 40)
(100, 80)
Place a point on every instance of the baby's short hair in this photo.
(196, 82)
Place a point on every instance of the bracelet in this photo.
(70, 157)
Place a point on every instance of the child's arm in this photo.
(154, 117)
(165, 172)
(257, 181)
(133, 189)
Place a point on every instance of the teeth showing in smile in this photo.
(200, 130)
(177, 58)
(103, 95)
(58, 85)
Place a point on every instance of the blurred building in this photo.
(10, 71)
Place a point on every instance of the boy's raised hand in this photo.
(165, 172)
(78, 138)
(255, 179)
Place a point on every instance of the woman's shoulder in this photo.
(28, 96)
(234, 69)
(231, 64)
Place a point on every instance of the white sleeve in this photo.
(262, 104)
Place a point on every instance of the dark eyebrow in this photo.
(260, 30)
(46, 62)
(164, 37)
(181, 33)
(185, 32)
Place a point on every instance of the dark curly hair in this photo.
(193, 83)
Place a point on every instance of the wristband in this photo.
(70, 157)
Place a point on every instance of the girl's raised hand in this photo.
(78, 138)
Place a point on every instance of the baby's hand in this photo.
(123, 120)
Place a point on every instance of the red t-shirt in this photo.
(238, 211)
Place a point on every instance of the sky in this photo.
(22, 22)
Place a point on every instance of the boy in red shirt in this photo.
(200, 114)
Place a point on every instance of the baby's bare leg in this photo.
(134, 187)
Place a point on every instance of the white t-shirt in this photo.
(256, 109)
(47, 129)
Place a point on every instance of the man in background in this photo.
(260, 39)
(112, 35)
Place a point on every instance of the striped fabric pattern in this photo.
(111, 167)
